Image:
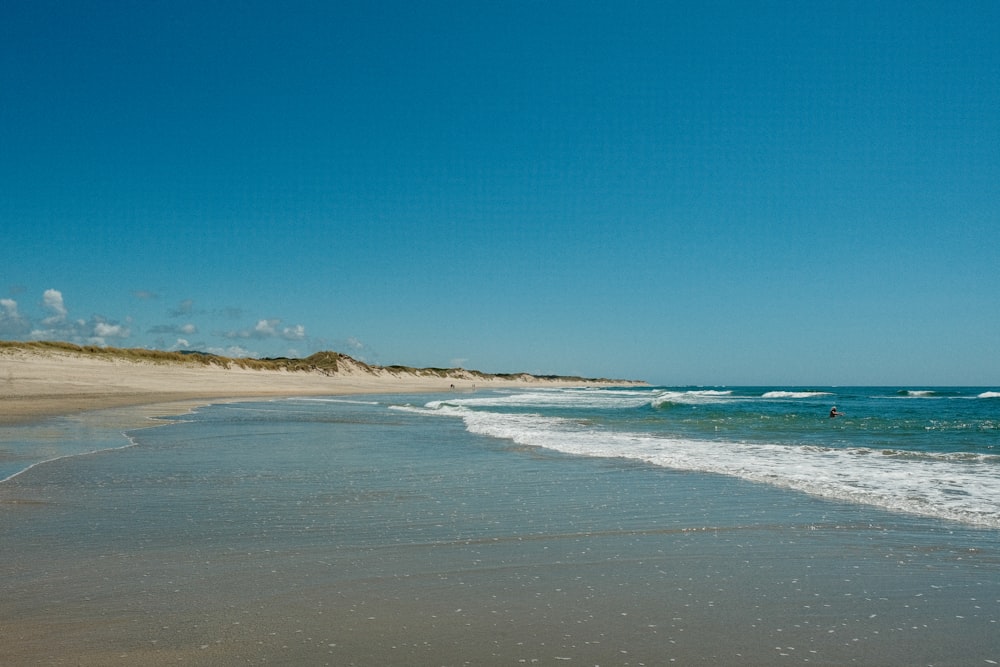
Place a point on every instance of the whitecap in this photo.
(795, 394)
(555, 398)
(903, 481)
(693, 397)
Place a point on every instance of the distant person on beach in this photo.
(834, 413)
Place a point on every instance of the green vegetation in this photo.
(326, 362)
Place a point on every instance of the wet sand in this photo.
(198, 549)
(201, 548)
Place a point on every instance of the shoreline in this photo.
(399, 542)
(346, 534)
(40, 383)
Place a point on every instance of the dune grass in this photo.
(321, 361)
(326, 362)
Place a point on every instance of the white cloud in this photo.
(11, 321)
(267, 329)
(357, 348)
(108, 330)
(52, 301)
(57, 325)
(181, 344)
(52, 321)
(298, 332)
(183, 329)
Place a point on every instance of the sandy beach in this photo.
(36, 383)
(286, 519)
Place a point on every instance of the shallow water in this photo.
(934, 452)
(296, 532)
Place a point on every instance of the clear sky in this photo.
(797, 193)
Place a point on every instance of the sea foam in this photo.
(959, 486)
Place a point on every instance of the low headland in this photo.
(39, 379)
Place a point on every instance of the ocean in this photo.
(611, 526)
(934, 452)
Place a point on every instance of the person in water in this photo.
(834, 413)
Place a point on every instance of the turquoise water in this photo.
(25, 446)
(934, 452)
(613, 527)
(927, 451)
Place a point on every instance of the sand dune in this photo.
(39, 380)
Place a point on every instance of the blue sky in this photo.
(703, 192)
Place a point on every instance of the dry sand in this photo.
(39, 383)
